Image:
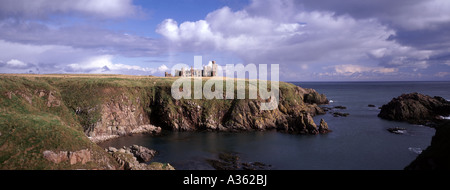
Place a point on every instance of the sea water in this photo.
(359, 141)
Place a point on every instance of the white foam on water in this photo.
(331, 101)
(415, 150)
(442, 117)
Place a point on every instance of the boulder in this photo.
(339, 114)
(55, 157)
(81, 156)
(142, 154)
(134, 158)
(340, 107)
(397, 130)
(232, 161)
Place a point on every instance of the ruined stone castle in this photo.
(208, 71)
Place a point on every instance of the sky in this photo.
(311, 40)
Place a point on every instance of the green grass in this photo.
(29, 129)
(25, 136)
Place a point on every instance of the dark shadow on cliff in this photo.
(437, 155)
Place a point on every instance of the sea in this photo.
(359, 141)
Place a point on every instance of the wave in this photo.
(415, 150)
(442, 117)
(331, 101)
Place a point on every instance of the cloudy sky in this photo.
(311, 40)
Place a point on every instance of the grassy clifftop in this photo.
(62, 114)
(34, 119)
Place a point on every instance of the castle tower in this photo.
(214, 69)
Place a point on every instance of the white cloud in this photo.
(169, 29)
(263, 36)
(44, 8)
(163, 68)
(104, 64)
(15, 63)
(350, 69)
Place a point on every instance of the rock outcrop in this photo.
(339, 114)
(323, 127)
(416, 108)
(81, 156)
(135, 158)
(397, 130)
(437, 155)
(294, 113)
(232, 161)
(119, 116)
(143, 154)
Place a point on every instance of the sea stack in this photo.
(323, 127)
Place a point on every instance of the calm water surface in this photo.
(359, 141)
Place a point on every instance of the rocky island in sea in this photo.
(55, 121)
(416, 108)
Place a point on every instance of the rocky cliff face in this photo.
(416, 108)
(129, 109)
(437, 155)
(120, 116)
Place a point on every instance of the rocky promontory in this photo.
(416, 108)
(131, 107)
(55, 121)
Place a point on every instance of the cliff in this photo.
(113, 107)
(50, 114)
(437, 155)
